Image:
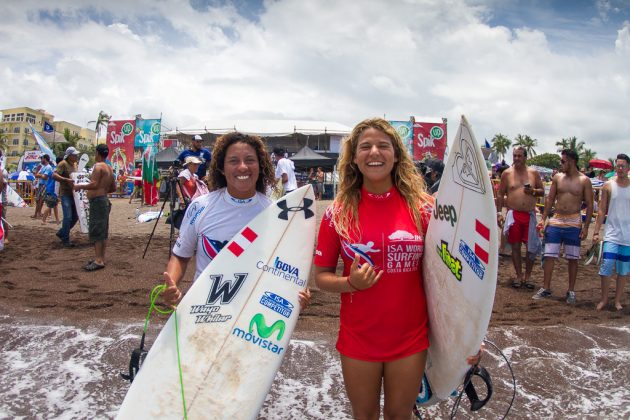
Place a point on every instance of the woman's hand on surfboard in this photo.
(304, 296)
(363, 277)
(171, 295)
(474, 360)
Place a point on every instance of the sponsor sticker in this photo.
(452, 262)
(277, 304)
(471, 259)
(260, 334)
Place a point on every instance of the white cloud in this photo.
(323, 60)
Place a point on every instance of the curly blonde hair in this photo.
(404, 176)
(266, 177)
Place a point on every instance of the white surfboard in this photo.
(81, 201)
(459, 267)
(13, 198)
(234, 323)
(83, 160)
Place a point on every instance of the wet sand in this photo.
(40, 278)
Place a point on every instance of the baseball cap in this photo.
(192, 159)
(197, 137)
(71, 151)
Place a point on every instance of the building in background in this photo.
(16, 137)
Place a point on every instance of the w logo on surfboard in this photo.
(225, 290)
(284, 214)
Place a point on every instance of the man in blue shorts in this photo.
(615, 201)
(569, 189)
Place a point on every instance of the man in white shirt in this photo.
(285, 170)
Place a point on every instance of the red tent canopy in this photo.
(600, 164)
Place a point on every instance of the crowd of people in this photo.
(564, 223)
(380, 347)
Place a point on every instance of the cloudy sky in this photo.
(548, 69)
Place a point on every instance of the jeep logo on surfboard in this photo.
(445, 212)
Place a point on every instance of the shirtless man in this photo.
(521, 185)
(569, 189)
(101, 183)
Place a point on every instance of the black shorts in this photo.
(50, 200)
(99, 218)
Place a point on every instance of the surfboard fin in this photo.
(137, 357)
(471, 392)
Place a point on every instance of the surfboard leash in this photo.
(471, 393)
(138, 355)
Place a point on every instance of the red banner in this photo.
(120, 138)
(429, 140)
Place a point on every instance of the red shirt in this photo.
(389, 320)
(137, 172)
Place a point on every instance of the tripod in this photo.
(172, 181)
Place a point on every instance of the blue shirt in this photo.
(203, 154)
(48, 170)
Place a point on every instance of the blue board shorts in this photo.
(563, 230)
(615, 256)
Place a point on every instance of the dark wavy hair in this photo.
(266, 177)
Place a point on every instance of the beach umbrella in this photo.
(600, 164)
(15, 175)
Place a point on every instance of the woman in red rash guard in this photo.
(377, 225)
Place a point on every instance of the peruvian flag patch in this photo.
(482, 241)
(241, 241)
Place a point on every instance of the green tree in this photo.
(547, 160)
(585, 157)
(101, 122)
(71, 140)
(527, 142)
(501, 144)
(571, 143)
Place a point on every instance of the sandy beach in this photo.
(41, 278)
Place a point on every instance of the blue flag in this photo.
(43, 146)
(48, 128)
(487, 145)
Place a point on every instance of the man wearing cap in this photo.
(189, 185)
(285, 170)
(201, 153)
(101, 183)
(63, 175)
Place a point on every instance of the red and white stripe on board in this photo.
(241, 241)
(482, 241)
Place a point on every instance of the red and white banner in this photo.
(120, 138)
(429, 140)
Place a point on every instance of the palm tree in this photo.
(570, 143)
(102, 121)
(501, 144)
(585, 157)
(527, 143)
(71, 140)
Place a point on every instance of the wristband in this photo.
(352, 285)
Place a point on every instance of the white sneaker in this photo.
(571, 298)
